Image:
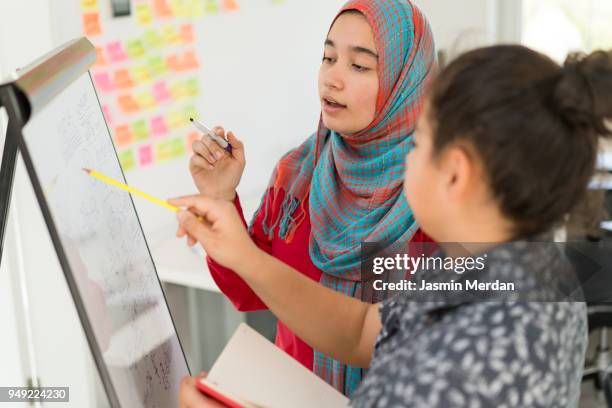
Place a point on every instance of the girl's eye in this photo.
(327, 59)
(360, 68)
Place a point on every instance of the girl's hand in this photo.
(219, 229)
(215, 172)
(191, 397)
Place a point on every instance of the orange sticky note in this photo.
(123, 79)
(100, 59)
(127, 104)
(91, 24)
(230, 5)
(190, 61)
(144, 15)
(162, 9)
(123, 136)
(173, 62)
(186, 33)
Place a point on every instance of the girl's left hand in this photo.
(216, 225)
(191, 397)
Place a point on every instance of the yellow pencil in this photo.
(132, 190)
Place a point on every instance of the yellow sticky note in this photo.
(193, 8)
(144, 14)
(178, 90)
(171, 35)
(163, 151)
(176, 120)
(89, 5)
(152, 39)
(191, 112)
(141, 74)
(177, 147)
(211, 7)
(146, 100)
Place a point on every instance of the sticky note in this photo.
(123, 79)
(152, 39)
(146, 100)
(163, 151)
(145, 155)
(186, 33)
(173, 62)
(107, 115)
(140, 130)
(161, 8)
(190, 61)
(230, 5)
(171, 35)
(178, 90)
(177, 147)
(123, 136)
(127, 104)
(176, 120)
(89, 5)
(161, 92)
(158, 126)
(191, 112)
(210, 6)
(191, 87)
(135, 48)
(141, 74)
(103, 82)
(194, 8)
(115, 51)
(144, 15)
(91, 24)
(192, 137)
(126, 158)
(100, 59)
(157, 66)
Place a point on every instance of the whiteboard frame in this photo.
(38, 85)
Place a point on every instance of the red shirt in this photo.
(295, 254)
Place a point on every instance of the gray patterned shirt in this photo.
(494, 353)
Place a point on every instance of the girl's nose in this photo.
(333, 77)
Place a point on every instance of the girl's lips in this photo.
(331, 107)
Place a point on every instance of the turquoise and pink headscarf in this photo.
(354, 183)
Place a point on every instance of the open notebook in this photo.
(252, 372)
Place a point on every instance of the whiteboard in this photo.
(110, 271)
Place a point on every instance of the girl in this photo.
(495, 164)
(342, 186)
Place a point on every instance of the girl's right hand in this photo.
(215, 172)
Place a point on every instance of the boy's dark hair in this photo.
(533, 124)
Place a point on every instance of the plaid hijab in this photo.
(354, 183)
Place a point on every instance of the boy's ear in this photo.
(459, 169)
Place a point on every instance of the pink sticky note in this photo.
(161, 92)
(145, 155)
(158, 126)
(107, 116)
(115, 51)
(103, 82)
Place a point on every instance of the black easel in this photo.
(18, 111)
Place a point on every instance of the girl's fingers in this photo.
(199, 161)
(200, 147)
(237, 146)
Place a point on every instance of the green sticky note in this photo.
(191, 86)
(157, 66)
(152, 39)
(177, 147)
(126, 158)
(135, 49)
(211, 6)
(140, 130)
(191, 112)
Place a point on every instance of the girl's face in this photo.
(423, 178)
(348, 79)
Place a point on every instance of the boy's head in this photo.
(507, 143)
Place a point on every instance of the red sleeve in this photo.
(230, 283)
